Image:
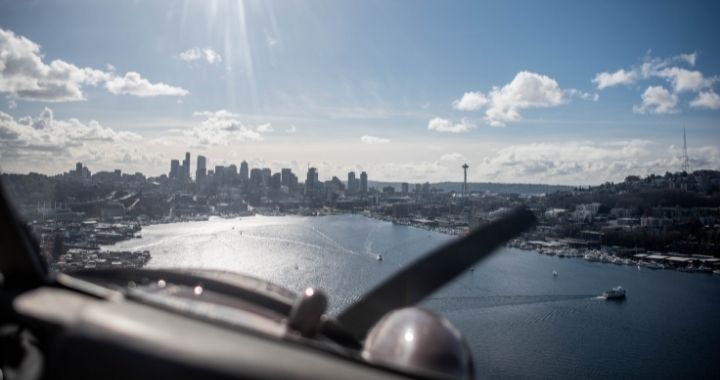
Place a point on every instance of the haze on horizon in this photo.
(408, 91)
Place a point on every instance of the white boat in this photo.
(379, 258)
(615, 293)
(554, 273)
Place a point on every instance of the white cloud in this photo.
(444, 125)
(689, 58)
(503, 104)
(685, 80)
(292, 129)
(219, 114)
(656, 99)
(207, 54)
(450, 157)
(45, 142)
(12, 104)
(584, 162)
(222, 128)
(604, 80)
(265, 128)
(133, 84)
(526, 90)
(373, 140)
(706, 99)
(471, 101)
(110, 67)
(24, 75)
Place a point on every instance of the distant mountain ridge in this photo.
(499, 188)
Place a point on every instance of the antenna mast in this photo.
(685, 159)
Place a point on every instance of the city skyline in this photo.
(523, 94)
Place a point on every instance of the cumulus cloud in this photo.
(28, 143)
(685, 80)
(584, 162)
(706, 99)
(503, 104)
(444, 125)
(222, 128)
(604, 80)
(265, 128)
(292, 129)
(133, 84)
(471, 101)
(24, 74)
(219, 113)
(373, 140)
(658, 100)
(450, 157)
(206, 54)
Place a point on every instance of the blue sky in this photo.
(407, 90)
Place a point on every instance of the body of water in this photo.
(520, 320)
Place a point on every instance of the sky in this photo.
(557, 92)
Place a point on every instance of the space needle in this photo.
(465, 168)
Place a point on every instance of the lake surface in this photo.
(520, 321)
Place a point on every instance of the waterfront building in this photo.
(405, 188)
(363, 183)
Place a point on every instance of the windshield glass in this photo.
(329, 144)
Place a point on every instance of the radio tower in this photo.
(685, 159)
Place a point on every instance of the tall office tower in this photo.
(256, 177)
(352, 183)
(78, 169)
(293, 182)
(405, 188)
(244, 171)
(311, 181)
(201, 170)
(219, 174)
(266, 175)
(286, 175)
(363, 183)
(231, 173)
(185, 175)
(276, 181)
(174, 169)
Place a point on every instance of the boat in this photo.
(379, 258)
(554, 273)
(616, 293)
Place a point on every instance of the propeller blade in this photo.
(431, 271)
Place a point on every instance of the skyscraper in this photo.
(244, 171)
(286, 176)
(311, 181)
(201, 170)
(186, 167)
(256, 176)
(174, 169)
(352, 183)
(363, 183)
(405, 188)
